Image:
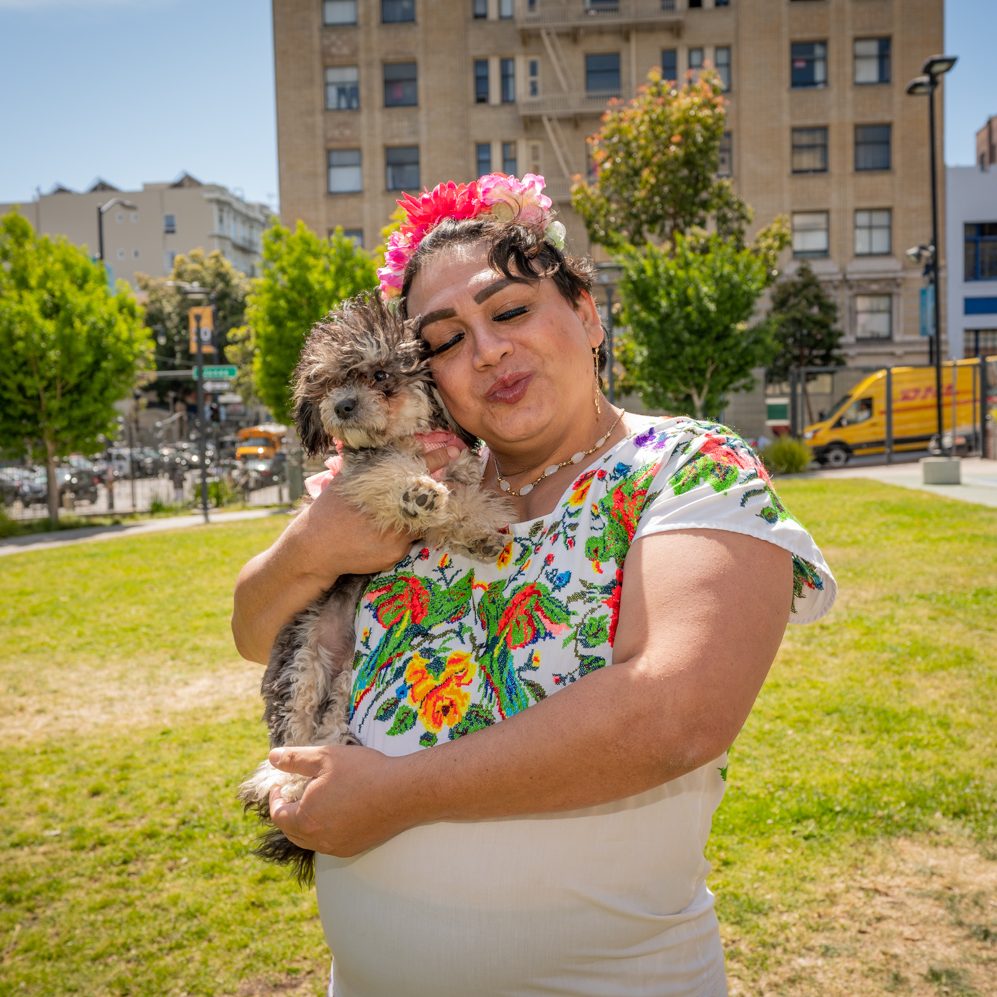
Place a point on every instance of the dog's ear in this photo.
(311, 432)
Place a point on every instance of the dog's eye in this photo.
(380, 375)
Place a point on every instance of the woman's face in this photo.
(512, 361)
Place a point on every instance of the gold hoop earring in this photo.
(598, 384)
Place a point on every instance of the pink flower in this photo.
(503, 197)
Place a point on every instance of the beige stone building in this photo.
(379, 96)
(144, 230)
(986, 144)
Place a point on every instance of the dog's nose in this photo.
(345, 408)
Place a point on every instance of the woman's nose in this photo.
(490, 344)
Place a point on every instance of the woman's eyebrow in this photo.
(440, 313)
(486, 292)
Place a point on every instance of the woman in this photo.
(552, 839)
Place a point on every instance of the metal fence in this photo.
(128, 482)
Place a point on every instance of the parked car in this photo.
(259, 472)
(12, 483)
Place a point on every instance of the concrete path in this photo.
(60, 538)
(978, 484)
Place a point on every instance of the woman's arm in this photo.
(701, 618)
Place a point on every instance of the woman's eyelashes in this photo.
(510, 313)
(435, 351)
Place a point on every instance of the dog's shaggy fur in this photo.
(363, 380)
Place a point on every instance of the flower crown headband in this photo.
(497, 195)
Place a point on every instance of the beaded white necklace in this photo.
(553, 468)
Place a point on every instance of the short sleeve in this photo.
(712, 479)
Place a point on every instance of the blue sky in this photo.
(143, 90)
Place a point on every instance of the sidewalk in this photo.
(60, 538)
(979, 478)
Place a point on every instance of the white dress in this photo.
(609, 900)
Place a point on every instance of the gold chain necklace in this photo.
(553, 468)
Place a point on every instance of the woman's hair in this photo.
(518, 252)
(509, 245)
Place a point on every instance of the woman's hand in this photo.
(348, 806)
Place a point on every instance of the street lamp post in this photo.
(607, 275)
(101, 210)
(926, 84)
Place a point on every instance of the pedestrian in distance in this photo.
(542, 737)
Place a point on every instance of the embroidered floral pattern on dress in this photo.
(447, 645)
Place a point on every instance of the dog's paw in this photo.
(487, 548)
(423, 498)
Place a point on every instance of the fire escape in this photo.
(563, 98)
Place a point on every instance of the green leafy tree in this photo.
(688, 307)
(691, 278)
(303, 278)
(71, 348)
(656, 160)
(802, 323)
(166, 305)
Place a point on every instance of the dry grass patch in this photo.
(914, 917)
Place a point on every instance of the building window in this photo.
(721, 3)
(873, 316)
(722, 60)
(670, 63)
(355, 235)
(980, 251)
(668, 5)
(339, 12)
(808, 62)
(809, 150)
(480, 81)
(533, 77)
(483, 158)
(401, 88)
(810, 233)
(510, 159)
(479, 9)
(725, 161)
(395, 11)
(872, 232)
(507, 80)
(872, 147)
(342, 88)
(695, 4)
(695, 60)
(169, 224)
(505, 9)
(872, 60)
(602, 72)
(402, 167)
(344, 171)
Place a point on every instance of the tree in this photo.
(691, 279)
(802, 325)
(656, 161)
(688, 306)
(303, 278)
(166, 305)
(71, 348)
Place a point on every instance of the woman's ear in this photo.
(587, 311)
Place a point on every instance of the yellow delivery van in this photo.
(857, 424)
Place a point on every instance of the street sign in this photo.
(216, 387)
(218, 372)
(926, 312)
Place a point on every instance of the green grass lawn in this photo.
(130, 721)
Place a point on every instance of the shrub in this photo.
(787, 455)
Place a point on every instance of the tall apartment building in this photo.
(144, 230)
(379, 96)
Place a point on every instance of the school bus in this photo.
(259, 441)
(857, 424)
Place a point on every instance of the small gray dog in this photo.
(362, 379)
